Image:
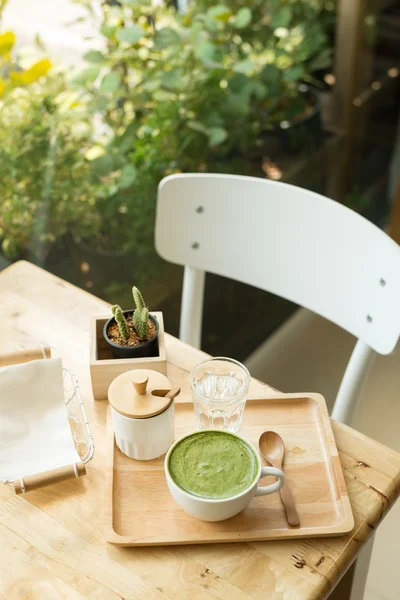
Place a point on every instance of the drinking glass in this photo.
(219, 388)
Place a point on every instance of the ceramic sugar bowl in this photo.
(142, 413)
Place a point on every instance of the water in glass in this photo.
(219, 388)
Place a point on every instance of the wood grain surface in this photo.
(52, 541)
(140, 510)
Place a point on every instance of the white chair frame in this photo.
(291, 242)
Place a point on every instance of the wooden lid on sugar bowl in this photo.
(140, 393)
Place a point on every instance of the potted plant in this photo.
(132, 333)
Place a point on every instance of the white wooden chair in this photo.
(289, 241)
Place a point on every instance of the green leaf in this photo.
(219, 13)
(196, 30)
(258, 90)
(94, 56)
(127, 177)
(87, 75)
(110, 83)
(150, 85)
(39, 43)
(270, 74)
(243, 18)
(244, 66)
(205, 51)
(322, 61)
(136, 2)
(197, 126)
(216, 135)
(125, 142)
(102, 103)
(281, 18)
(173, 79)
(163, 96)
(294, 73)
(108, 30)
(238, 105)
(130, 35)
(166, 38)
(237, 82)
(102, 165)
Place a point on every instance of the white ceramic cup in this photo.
(210, 509)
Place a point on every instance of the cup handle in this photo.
(263, 490)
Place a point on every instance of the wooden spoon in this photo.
(171, 394)
(272, 448)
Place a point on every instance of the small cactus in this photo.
(121, 322)
(141, 314)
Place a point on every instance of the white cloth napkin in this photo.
(35, 435)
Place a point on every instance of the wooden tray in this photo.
(141, 512)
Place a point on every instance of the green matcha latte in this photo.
(213, 464)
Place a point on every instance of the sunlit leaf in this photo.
(196, 30)
(136, 2)
(174, 79)
(35, 72)
(2, 87)
(244, 66)
(7, 41)
(94, 152)
(130, 35)
(127, 177)
(204, 51)
(281, 17)
(216, 135)
(110, 82)
(108, 30)
(151, 84)
(243, 18)
(197, 126)
(163, 96)
(219, 13)
(94, 56)
(10, 248)
(87, 75)
(166, 37)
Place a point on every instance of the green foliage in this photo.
(46, 181)
(141, 314)
(121, 322)
(171, 92)
(201, 86)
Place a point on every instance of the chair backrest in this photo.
(288, 241)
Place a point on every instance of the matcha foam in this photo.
(213, 464)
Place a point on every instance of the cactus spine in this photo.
(121, 322)
(141, 314)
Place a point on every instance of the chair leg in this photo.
(352, 584)
(361, 571)
(192, 306)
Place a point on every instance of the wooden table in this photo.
(51, 541)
